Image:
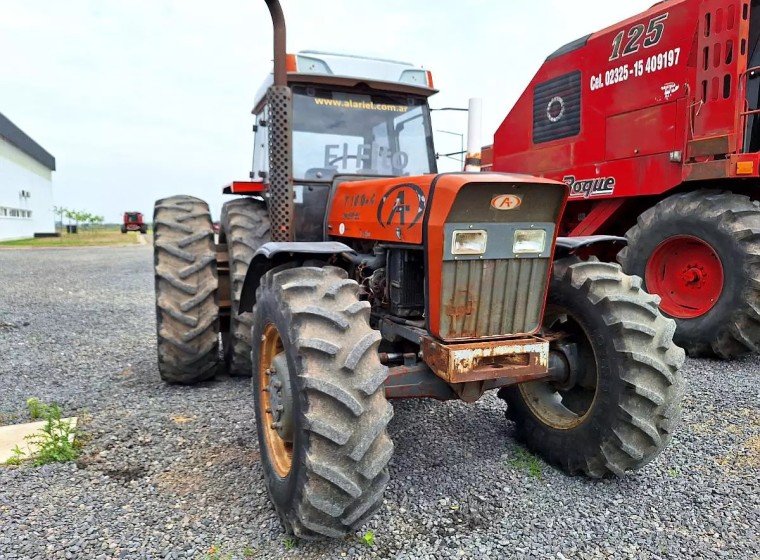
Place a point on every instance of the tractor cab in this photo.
(352, 116)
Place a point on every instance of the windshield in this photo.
(340, 132)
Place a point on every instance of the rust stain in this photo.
(520, 359)
(454, 309)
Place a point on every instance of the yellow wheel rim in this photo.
(279, 450)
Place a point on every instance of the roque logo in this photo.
(585, 188)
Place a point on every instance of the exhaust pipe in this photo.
(280, 106)
(278, 24)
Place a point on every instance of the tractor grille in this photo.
(485, 298)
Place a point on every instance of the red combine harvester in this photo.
(133, 221)
(654, 125)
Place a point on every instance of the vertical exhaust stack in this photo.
(280, 119)
(474, 133)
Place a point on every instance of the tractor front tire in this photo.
(244, 228)
(321, 410)
(187, 311)
(626, 397)
(700, 252)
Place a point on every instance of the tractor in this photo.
(133, 221)
(654, 124)
(349, 272)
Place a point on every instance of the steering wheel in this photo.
(339, 158)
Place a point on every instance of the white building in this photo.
(26, 185)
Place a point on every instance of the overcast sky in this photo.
(141, 99)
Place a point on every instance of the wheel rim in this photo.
(687, 274)
(274, 402)
(560, 406)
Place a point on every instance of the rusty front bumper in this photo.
(520, 360)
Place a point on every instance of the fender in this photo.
(589, 245)
(273, 254)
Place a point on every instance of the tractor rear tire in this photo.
(123, 229)
(714, 300)
(187, 311)
(143, 229)
(244, 228)
(317, 376)
(626, 401)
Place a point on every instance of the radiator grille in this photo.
(492, 297)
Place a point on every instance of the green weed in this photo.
(247, 552)
(16, 459)
(289, 543)
(36, 409)
(55, 441)
(368, 539)
(674, 472)
(524, 460)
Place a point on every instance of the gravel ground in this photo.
(169, 472)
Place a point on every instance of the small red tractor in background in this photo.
(654, 125)
(133, 221)
(350, 272)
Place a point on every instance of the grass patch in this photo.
(525, 461)
(289, 543)
(99, 238)
(55, 441)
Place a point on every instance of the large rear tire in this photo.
(244, 228)
(187, 311)
(624, 400)
(321, 410)
(700, 252)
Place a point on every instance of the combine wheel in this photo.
(700, 252)
(123, 229)
(244, 228)
(321, 410)
(616, 408)
(187, 312)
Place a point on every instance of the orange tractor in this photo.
(349, 273)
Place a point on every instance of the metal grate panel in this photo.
(492, 297)
(557, 108)
(280, 104)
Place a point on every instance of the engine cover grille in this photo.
(489, 298)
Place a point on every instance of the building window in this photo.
(14, 213)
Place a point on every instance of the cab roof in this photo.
(319, 67)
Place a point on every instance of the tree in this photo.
(59, 211)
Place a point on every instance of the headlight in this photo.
(469, 242)
(529, 241)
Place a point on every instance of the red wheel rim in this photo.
(687, 274)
